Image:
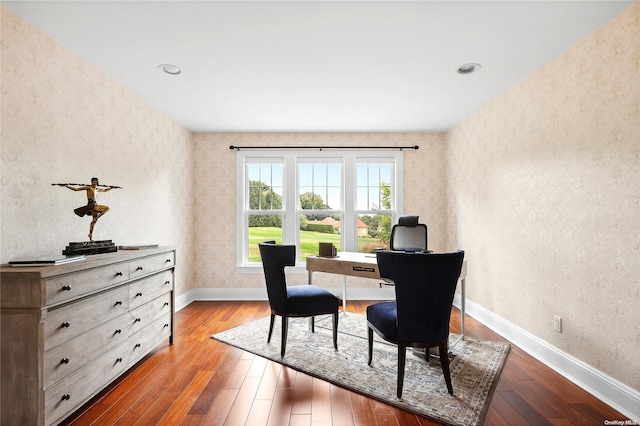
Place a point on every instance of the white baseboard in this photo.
(220, 294)
(616, 394)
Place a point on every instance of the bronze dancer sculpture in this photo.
(92, 208)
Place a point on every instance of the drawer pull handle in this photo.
(139, 268)
(118, 331)
(137, 320)
(65, 324)
(166, 304)
(166, 325)
(137, 345)
(167, 282)
(118, 274)
(118, 360)
(66, 287)
(167, 261)
(119, 302)
(66, 397)
(64, 361)
(139, 294)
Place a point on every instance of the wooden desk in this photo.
(365, 265)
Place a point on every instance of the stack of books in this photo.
(46, 261)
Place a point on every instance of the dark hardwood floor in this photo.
(200, 381)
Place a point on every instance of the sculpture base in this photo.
(88, 248)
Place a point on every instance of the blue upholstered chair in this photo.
(425, 284)
(293, 301)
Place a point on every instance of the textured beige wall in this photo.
(64, 121)
(545, 199)
(215, 166)
(540, 187)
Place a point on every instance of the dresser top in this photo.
(92, 261)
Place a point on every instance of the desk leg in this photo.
(310, 275)
(462, 300)
(464, 280)
(344, 294)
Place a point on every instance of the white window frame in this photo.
(291, 226)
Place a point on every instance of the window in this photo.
(263, 199)
(374, 203)
(292, 197)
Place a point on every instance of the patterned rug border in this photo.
(470, 409)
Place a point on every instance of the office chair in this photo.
(408, 235)
(419, 317)
(294, 301)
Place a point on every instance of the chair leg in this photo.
(273, 318)
(285, 329)
(313, 324)
(335, 329)
(444, 360)
(370, 336)
(402, 356)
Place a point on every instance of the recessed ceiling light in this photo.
(468, 68)
(169, 69)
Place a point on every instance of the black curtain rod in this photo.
(238, 148)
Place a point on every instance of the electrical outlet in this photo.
(557, 323)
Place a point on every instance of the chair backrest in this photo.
(274, 259)
(408, 235)
(425, 284)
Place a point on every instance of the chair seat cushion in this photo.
(383, 317)
(310, 298)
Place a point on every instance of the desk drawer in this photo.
(72, 286)
(149, 265)
(69, 394)
(70, 321)
(75, 353)
(147, 289)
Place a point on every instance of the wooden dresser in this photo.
(69, 330)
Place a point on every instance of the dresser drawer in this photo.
(70, 321)
(148, 265)
(146, 339)
(71, 286)
(73, 391)
(147, 289)
(142, 316)
(75, 353)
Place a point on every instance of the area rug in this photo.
(475, 366)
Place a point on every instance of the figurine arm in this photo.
(73, 188)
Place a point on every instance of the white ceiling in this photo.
(318, 65)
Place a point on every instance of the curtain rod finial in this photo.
(231, 147)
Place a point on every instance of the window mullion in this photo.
(291, 223)
(349, 234)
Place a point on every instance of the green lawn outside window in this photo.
(308, 241)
